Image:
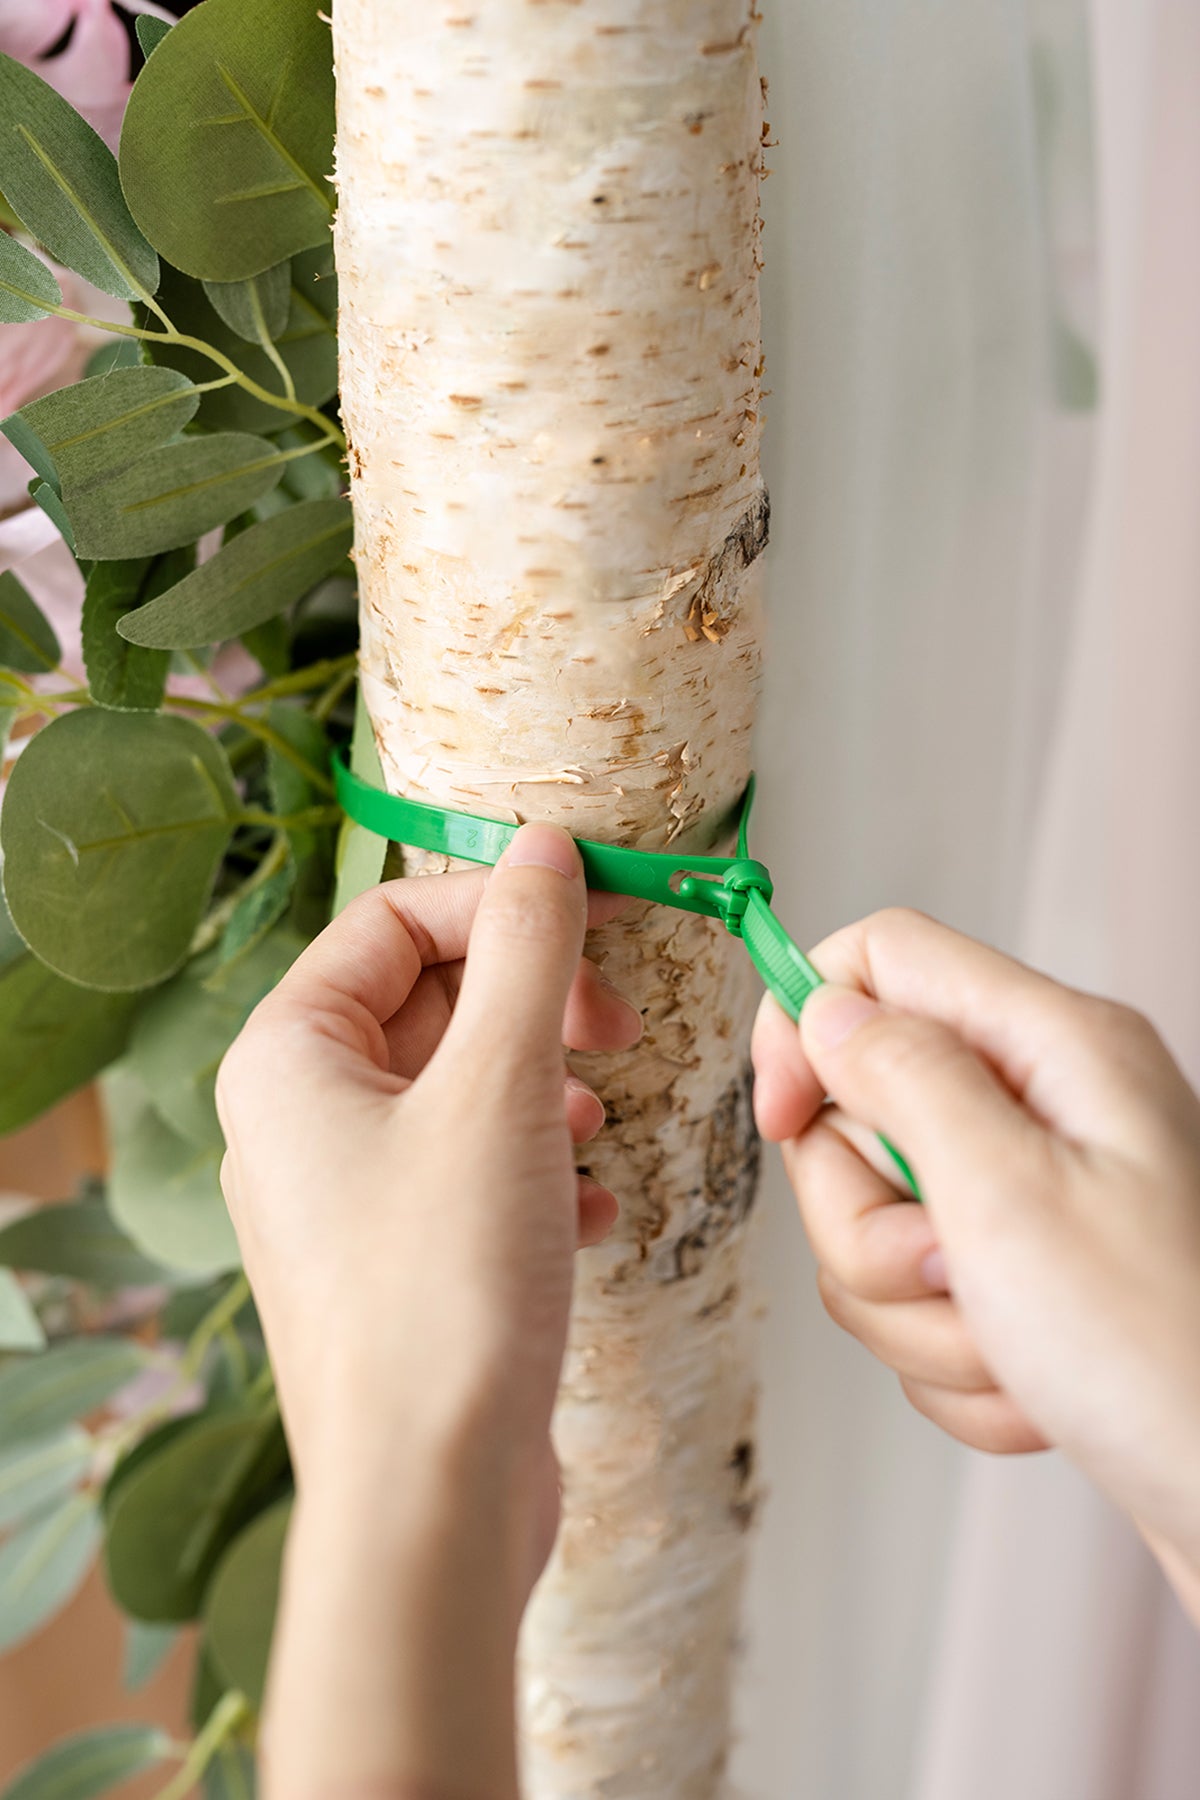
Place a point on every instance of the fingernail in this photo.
(831, 1015)
(614, 993)
(933, 1271)
(543, 847)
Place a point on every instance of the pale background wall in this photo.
(983, 670)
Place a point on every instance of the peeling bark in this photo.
(548, 241)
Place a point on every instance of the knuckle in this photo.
(899, 1048)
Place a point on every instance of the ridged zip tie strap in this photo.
(734, 889)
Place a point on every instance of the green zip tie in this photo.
(734, 889)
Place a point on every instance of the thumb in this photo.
(922, 1086)
(523, 954)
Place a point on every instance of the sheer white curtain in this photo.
(981, 699)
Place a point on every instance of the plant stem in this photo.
(326, 702)
(211, 1325)
(211, 928)
(310, 817)
(231, 1711)
(280, 401)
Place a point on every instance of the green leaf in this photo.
(28, 290)
(39, 1472)
(150, 32)
(121, 675)
(113, 828)
(20, 1328)
(250, 579)
(81, 1241)
(257, 912)
(92, 1762)
(54, 1036)
(166, 1193)
(173, 496)
(307, 345)
(169, 1522)
(27, 640)
(183, 1032)
(117, 353)
(62, 178)
(96, 428)
(240, 1607)
(232, 1774)
(43, 1564)
(360, 853)
(147, 1648)
(45, 495)
(227, 144)
(257, 308)
(42, 1393)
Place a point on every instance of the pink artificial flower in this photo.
(92, 71)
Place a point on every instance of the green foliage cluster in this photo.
(166, 854)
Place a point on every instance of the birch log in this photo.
(548, 247)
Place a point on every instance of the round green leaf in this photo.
(20, 1328)
(166, 1192)
(62, 179)
(172, 496)
(183, 1032)
(27, 640)
(256, 309)
(147, 1648)
(54, 1036)
(96, 428)
(259, 573)
(169, 1522)
(81, 1241)
(113, 828)
(227, 144)
(27, 288)
(43, 1564)
(120, 674)
(38, 1472)
(92, 1762)
(61, 1384)
(240, 1607)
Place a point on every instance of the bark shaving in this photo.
(548, 248)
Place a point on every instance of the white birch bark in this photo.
(548, 251)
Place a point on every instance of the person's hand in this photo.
(1048, 1292)
(400, 1174)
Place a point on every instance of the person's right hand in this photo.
(1049, 1289)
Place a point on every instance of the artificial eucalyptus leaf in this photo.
(20, 1328)
(256, 308)
(28, 290)
(54, 1037)
(92, 1762)
(241, 1603)
(113, 827)
(39, 1472)
(184, 1030)
(117, 353)
(43, 1564)
(258, 911)
(165, 1191)
(46, 495)
(96, 428)
(62, 178)
(27, 640)
(258, 574)
(227, 144)
(307, 345)
(168, 1523)
(122, 675)
(232, 1774)
(147, 1648)
(172, 496)
(150, 32)
(41, 1393)
(80, 1240)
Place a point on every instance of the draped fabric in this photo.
(982, 699)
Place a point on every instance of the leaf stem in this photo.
(215, 1320)
(304, 820)
(210, 929)
(280, 401)
(229, 1714)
